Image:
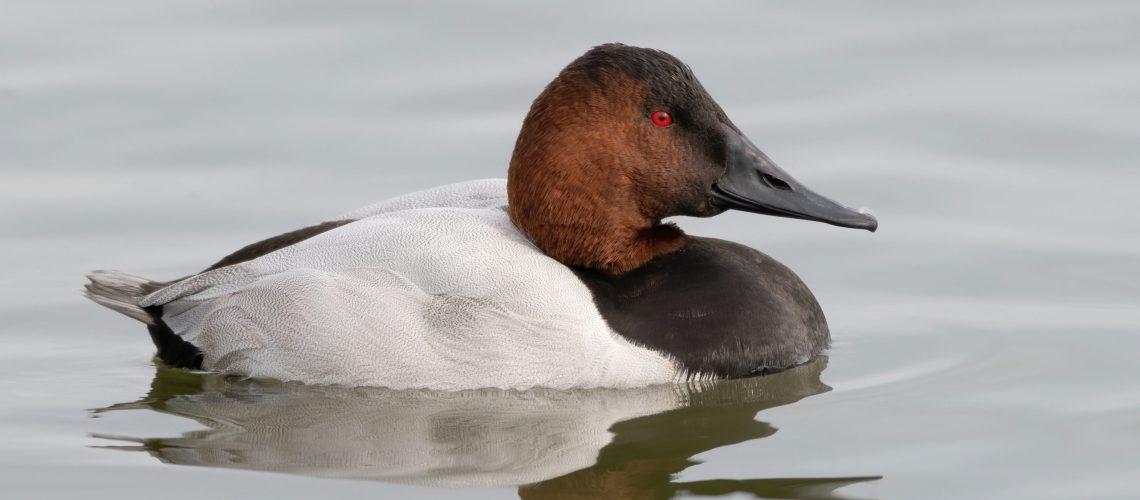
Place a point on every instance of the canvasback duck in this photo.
(563, 275)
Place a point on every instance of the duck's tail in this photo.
(121, 291)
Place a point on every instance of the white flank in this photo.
(435, 289)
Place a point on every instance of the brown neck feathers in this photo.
(575, 185)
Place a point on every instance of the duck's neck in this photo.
(583, 212)
(601, 244)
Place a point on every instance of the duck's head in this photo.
(627, 136)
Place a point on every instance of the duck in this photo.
(564, 275)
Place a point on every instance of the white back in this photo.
(435, 289)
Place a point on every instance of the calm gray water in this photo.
(985, 337)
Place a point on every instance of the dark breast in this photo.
(716, 307)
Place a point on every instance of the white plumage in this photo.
(435, 289)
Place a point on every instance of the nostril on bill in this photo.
(775, 182)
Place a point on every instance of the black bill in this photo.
(753, 183)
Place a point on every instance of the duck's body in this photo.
(438, 289)
(561, 277)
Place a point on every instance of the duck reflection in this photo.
(585, 443)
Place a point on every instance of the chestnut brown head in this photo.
(624, 137)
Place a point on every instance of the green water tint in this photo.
(480, 438)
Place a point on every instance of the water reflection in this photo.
(610, 443)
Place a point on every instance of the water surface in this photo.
(984, 338)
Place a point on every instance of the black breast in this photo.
(716, 307)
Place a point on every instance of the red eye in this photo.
(661, 119)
